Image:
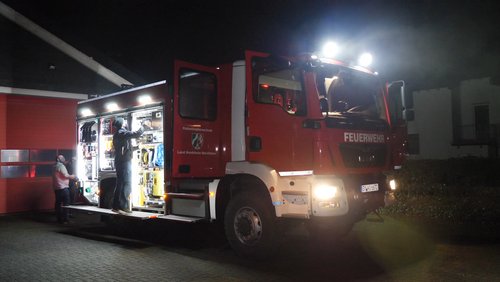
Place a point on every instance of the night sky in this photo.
(427, 43)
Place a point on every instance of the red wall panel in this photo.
(26, 194)
(3, 120)
(3, 143)
(40, 123)
(28, 122)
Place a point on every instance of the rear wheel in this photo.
(250, 226)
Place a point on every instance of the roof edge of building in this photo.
(42, 93)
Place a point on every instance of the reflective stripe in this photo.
(295, 173)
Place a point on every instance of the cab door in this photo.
(197, 122)
(277, 110)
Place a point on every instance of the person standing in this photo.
(123, 158)
(61, 179)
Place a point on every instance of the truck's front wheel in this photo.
(250, 226)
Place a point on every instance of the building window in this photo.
(14, 171)
(413, 144)
(482, 122)
(43, 155)
(30, 163)
(14, 156)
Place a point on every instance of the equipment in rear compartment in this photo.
(149, 158)
(151, 184)
(88, 132)
(107, 151)
(152, 173)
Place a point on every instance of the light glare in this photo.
(392, 184)
(144, 99)
(112, 106)
(330, 49)
(365, 59)
(325, 192)
(86, 112)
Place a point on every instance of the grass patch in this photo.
(455, 190)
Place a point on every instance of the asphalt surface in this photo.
(33, 247)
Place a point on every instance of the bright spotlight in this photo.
(112, 107)
(365, 59)
(330, 49)
(144, 99)
(86, 112)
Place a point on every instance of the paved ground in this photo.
(34, 248)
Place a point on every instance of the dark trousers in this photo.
(123, 186)
(62, 199)
(72, 192)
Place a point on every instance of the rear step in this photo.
(136, 214)
(190, 196)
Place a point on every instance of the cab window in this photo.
(279, 86)
(197, 95)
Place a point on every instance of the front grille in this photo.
(363, 155)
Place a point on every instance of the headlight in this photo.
(325, 192)
(392, 184)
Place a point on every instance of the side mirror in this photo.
(398, 104)
(323, 104)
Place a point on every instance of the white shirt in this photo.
(61, 176)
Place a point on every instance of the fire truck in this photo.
(251, 145)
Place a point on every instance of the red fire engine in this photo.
(252, 144)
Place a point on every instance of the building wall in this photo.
(3, 144)
(34, 124)
(476, 92)
(433, 123)
(479, 92)
(3, 120)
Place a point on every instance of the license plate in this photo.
(369, 188)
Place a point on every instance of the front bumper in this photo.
(355, 196)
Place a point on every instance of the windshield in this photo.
(350, 92)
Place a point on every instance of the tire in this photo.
(250, 226)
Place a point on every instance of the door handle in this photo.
(255, 144)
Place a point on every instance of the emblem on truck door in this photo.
(197, 140)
